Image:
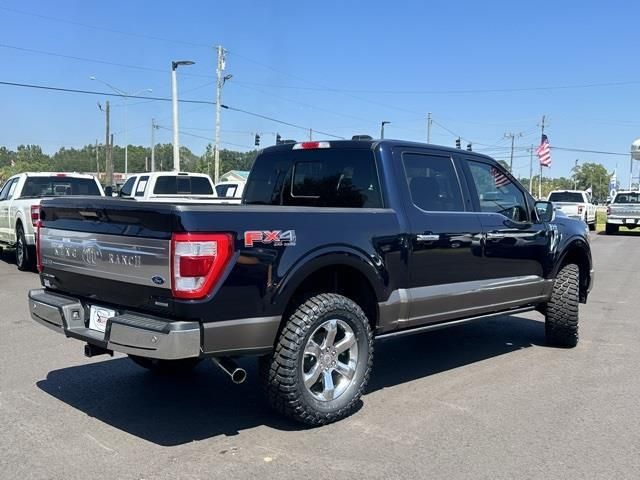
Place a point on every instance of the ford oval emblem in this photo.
(157, 279)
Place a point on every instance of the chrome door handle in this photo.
(495, 236)
(427, 238)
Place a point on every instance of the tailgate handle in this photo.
(90, 214)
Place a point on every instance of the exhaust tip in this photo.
(239, 375)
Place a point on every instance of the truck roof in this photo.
(374, 143)
(57, 174)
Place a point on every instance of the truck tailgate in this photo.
(109, 250)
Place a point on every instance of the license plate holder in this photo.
(631, 221)
(98, 317)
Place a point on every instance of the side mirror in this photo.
(545, 210)
(108, 191)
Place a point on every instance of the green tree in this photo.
(592, 175)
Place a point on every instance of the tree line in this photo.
(31, 158)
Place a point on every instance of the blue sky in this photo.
(339, 67)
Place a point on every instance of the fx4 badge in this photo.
(278, 238)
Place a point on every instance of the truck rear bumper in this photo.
(126, 333)
(630, 220)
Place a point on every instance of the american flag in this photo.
(544, 152)
(499, 178)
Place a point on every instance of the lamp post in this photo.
(382, 128)
(174, 102)
(125, 96)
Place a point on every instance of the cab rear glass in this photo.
(326, 177)
(56, 186)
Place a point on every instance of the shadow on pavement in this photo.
(8, 255)
(624, 232)
(172, 411)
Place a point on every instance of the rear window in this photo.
(321, 178)
(571, 197)
(59, 186)
(178, 184)
(631, 197)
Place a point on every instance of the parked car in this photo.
(576, 204)
(623, 211)
(20, 199)
(336, 243)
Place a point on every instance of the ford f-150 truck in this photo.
(575, 204)
(20, 198)
(336, 243)
(623, 211)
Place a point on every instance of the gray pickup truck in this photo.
(624, 211)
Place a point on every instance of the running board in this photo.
(452, 323)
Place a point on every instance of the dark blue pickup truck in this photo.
(335, 244)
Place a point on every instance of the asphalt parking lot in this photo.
(487, 400)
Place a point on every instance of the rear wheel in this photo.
(610, 228)
(155, 365)
(24, 255)
(561, 322)
(321, 363)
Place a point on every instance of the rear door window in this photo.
(142, 185)
(433, 182)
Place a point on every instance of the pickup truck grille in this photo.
(141, 261)
(625, 211)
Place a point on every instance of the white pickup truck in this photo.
(575, 204)
(623, 211)
(172, 186)
(20, 198)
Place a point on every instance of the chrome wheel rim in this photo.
(20, 251)
(330, 360)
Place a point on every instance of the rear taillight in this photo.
(35, 215)
(608, 210)
(197, 262)
(579, 209)
(311, 145)
(38, 227)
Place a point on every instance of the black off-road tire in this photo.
(610, 228)
(561, 322)
(166, 367)
(282, 371)
(24, 254)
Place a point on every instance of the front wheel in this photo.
(561, 322)
(321, 363)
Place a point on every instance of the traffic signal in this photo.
(469, 149)
(257, 140)
(278, 139)
(458, 143)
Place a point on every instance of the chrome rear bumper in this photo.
(126, 332)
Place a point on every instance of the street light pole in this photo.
(220, 81)
(174, 102)
(382, 128)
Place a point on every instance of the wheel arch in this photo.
(345, 271)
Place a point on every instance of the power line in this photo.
(106, 94)
(590, 151)
(202, 102)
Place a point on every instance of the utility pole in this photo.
(153, 144)
(575, 171)
(531, 172)
(429, 123)
(221, 65)
(109, 159)
(97, 162)
(513, 137)
(540, 178)
(174, 104)
(310, 134)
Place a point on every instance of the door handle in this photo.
(495, 235)
(427, 237)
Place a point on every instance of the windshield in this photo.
(631, 197)
(59, 186)
(571, 197)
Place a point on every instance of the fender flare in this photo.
(572, 244)
(328, 256)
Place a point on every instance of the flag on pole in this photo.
(544, 152)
